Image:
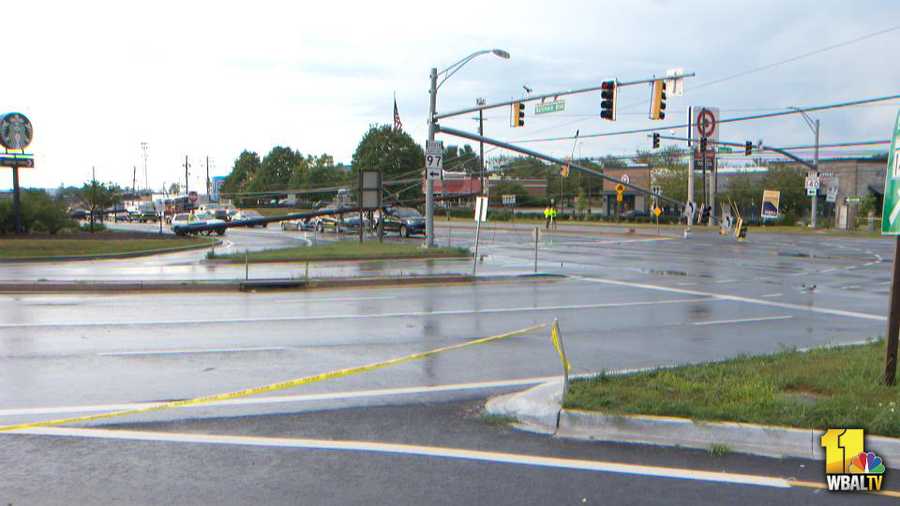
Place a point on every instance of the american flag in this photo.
(398, 125)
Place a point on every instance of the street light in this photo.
(814, 126)
(429, 183)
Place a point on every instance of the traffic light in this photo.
(608, 105)
(518, 115)
(655, 141)
(748, 148)
(658, 100)
(703, 144)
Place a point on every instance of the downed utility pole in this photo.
(525, 151)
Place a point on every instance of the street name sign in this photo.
(890, 224)
(547, 107)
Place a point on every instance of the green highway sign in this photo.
(725, 149)
(554, 106)
(890, 223)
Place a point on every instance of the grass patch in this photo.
(344, 250)
(718, 450)
(498, 420)
(103, 243)
(827, 387)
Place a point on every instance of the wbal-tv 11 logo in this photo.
(848, 467)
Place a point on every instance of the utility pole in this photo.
(144, 147)
(134, 180)
(207, 177)
(186, 166)
(815, 197)
(429, 183)
(17, 202)
(691, 149)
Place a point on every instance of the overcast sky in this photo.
(213, 78)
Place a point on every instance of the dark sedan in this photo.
(404, 220)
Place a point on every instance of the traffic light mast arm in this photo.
(738, 144)
(548, 158)
(545, 96)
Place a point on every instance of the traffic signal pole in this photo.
(429, 183)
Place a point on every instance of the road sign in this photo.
(811, 184)
(657, 211)
(831, 194)
(481, 208)
(192, 196)
(370, 189)
(434, 159)
(15, 131)
(890, 225)
(547, 107)
(675, 87)
(706, 122)
(626, 179)
(709, 155)
(15, 161)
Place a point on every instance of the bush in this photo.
(40, 213)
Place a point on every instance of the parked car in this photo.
(301, 225)
(200, 223)
(406, 221)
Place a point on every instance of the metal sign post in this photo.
(890, 225)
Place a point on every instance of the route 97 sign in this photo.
(15, 131)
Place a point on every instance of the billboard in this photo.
(770, 202)
(217, 182)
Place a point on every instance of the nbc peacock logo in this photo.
(848, 467)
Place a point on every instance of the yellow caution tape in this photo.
(271, 387)
(554, 335)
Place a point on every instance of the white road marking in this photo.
(737, 298)
(421, 451)
(281, 399)
(190, 351)
(449, 312)
(743, 320)
(779, 294)
(726, 281)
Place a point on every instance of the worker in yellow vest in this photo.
(548, 213)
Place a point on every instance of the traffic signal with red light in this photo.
(658, 100)
(608, 104)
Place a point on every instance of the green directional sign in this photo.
(554, 106)
(890, 213)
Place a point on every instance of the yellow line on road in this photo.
(283, 385)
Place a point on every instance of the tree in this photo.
(745, 192)
(245, 167)
(96, 197)
(581, 202)
(276, 170)
(174, 189)
(393, 152)
(790, 182)
(509, 187)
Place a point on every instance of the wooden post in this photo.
(893, 326)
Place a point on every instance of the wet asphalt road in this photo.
(629, 300)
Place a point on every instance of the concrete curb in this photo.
(108, 256)
(536, 411)
(256, 284)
